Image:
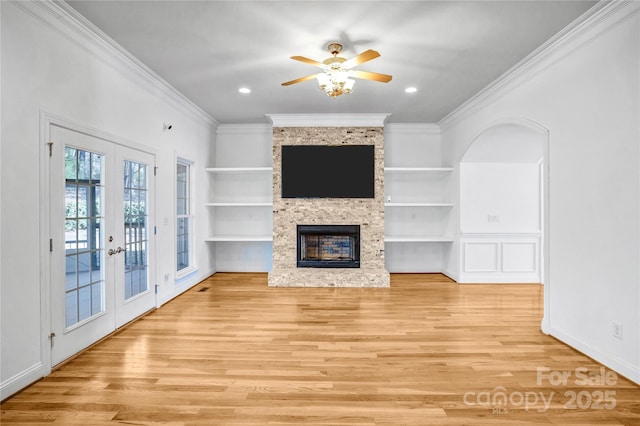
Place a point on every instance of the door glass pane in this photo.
(84, 165)
(84, 281)
(84, 303)
(70, 163)
(135, 228)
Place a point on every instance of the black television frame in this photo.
(328, 171)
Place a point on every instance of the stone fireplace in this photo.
(330, 256)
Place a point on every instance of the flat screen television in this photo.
(328, 171)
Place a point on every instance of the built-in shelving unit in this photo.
(238, 239)
(414, 192)
(240, 200)
(239, 204)
(418, 205)
(418, 169)
(239, 169)
(434, 239)
(244, 191)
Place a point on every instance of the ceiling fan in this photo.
(334, 80)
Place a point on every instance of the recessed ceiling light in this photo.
(411, 90)
(244, 90)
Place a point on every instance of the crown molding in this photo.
(61, 17)
(327, 120)
(248, 128)
(604, 15)
(413, 128)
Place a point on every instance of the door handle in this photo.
(111, 252)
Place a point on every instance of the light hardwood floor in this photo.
(426, 351)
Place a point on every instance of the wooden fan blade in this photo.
(361, 58)
(298, 80)
(383, 78)
(308, 61)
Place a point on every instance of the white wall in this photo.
(499, 198)
(500, 181)
(51, 64)
(585, 89)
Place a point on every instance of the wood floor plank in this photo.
(425, 351)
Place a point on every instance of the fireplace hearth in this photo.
(328, 246)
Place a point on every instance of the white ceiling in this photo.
(449, 50)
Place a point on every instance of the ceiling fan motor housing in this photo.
(335, 61)
(334, 48)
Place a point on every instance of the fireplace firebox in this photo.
(328, 246)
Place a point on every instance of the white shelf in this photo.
(239, 238)
(418, 204)
(419, 239)
(239, 169)
(419, 169)
(238, 204)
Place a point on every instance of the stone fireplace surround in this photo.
(366, 129)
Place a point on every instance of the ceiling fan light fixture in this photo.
(348, 86)
(335, 79)
(324, 80)
(335, 82)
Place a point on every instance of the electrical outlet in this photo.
(617, 330)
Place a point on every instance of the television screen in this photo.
(328, 171)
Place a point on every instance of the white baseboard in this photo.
(498, 278)
(240, 268)
(631, 372)
(21, 380)
(451, 274)
(186, 284)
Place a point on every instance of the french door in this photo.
(101, 244)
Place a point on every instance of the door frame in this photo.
(46, 120)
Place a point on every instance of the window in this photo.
(184, 220)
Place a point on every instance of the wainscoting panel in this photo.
(519, 257)
(481, 257)
(500, 258)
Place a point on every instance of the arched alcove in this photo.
(501, 205)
